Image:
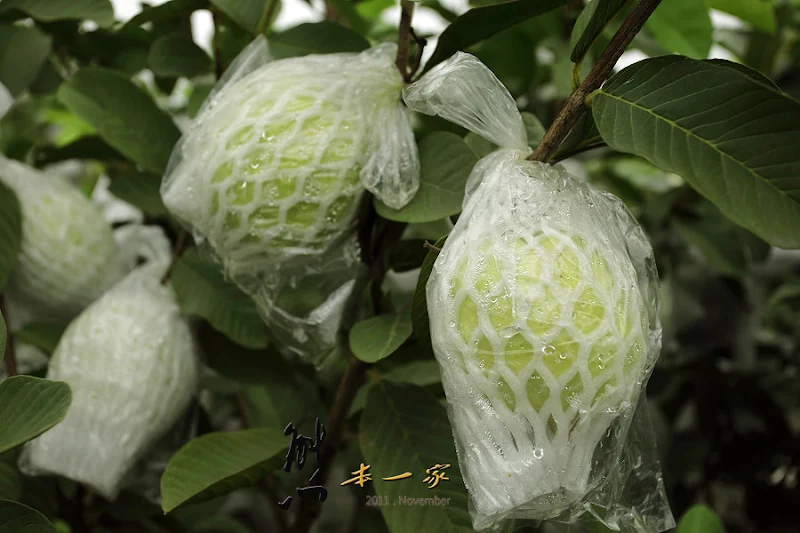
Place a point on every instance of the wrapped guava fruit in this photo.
(68, 256)
(270, 174)
(543, 317)
(275, 163)
(130, 361)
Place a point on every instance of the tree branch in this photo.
(575, 105)
(10, 359)
(404, 38)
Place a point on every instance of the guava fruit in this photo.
(542, 319)
(130, 361)
(273, 166)
(68, 256)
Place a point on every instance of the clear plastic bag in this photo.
(544, 320)
(68, 256)
(131, 363)
(272, 171)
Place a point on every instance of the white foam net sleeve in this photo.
(68, 256)
(272, 171)
(544, 320)
(131, 363)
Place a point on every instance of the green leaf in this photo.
(590, 24)
(481, 23)
(280, 401)
(201, 290)
(379, 337)
(407, 254)
(23, 51)
(759, 13)
(124, 115)
(10, 233)
(405, 429)
(100, 11)
(700, 519)
(42, 335)
(728, 249)
(30, 406)
(10, 479)
(533, 129)
(219, 463)
(683, 27)
(419, 306)
(91, 147)
(17, 518)
(756, 75)
(421, 373)
(445, 164)
(140, 190)
(175, 55)
(166, 11)
(326, 37)
(347, 10)
(245, 13)
(731, 137)
(3, 335)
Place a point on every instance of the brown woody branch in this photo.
(575, 106)
(404, 38)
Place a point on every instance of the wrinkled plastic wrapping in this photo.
(544, 320)
(130, 361)
(68, 255)
(273, 168)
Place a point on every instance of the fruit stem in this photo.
(575, 105)
(180, 244)
(10, 358)
(404, 38)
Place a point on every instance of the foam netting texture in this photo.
(544, 320)
(275, 164)
(68, 255)
(131, 363)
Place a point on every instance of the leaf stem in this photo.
(574, 107)
(10, 357)
(404, 37)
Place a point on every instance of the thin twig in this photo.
(10, 357)
(558, 156)
(180, 244)
(266, 17)
(429, 246)
(421, 44)
(404, 37)
(219, 68)
(269, 483)
(575, 105)
(334, 428)
(244, 411)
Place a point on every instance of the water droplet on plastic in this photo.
(538, 453)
